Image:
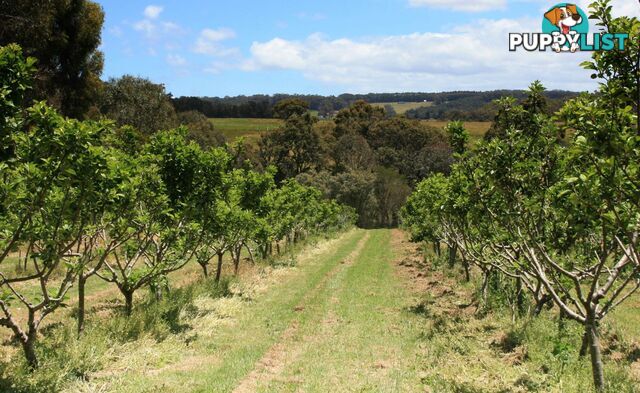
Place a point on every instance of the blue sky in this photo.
(218, 48)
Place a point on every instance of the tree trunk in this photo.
(485, 285)
(264, 250)
(157, 292)
(596, 355)
(540, 302)
(128, 302)
(236, 259)
(26, 340)
(467, 273)
(436, 248)
(205, 269)
(278, 247)
(453, 250)
(219, 268)
(585, 345)
(250, 254)
(82, 280)
(520, 298)
(28, 346)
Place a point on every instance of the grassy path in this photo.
(354, 334)
(337, 322)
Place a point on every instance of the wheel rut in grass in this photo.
(353, 334)
(286, 350)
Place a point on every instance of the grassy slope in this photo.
(354, 335)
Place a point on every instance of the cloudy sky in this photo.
(218, 48)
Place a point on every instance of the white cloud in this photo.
(153, 28)
(620, 7)
(152, 11)
(474, 57)
(176, 60)
(220, 34)
(461, 5)
(146, 26)
(626, 7)
(209, 42)
(170, 27)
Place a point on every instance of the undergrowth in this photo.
(492, 346)
(65, 357)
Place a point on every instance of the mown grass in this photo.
(354, 335)
(206, 340)
(115, 350)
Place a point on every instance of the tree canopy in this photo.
(88, 198)
(64, 35)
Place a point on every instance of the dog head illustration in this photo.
(564, 17)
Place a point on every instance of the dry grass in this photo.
(275, 361)
(222, 333)
(402, 107)
(253, 129)
(250, 129)
(465, 349)
(476, 129)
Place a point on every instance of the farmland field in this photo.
(402, 107)
(251, 129)
(476, 129)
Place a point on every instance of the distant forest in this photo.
(455, 105)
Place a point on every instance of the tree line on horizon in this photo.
(454, 105)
